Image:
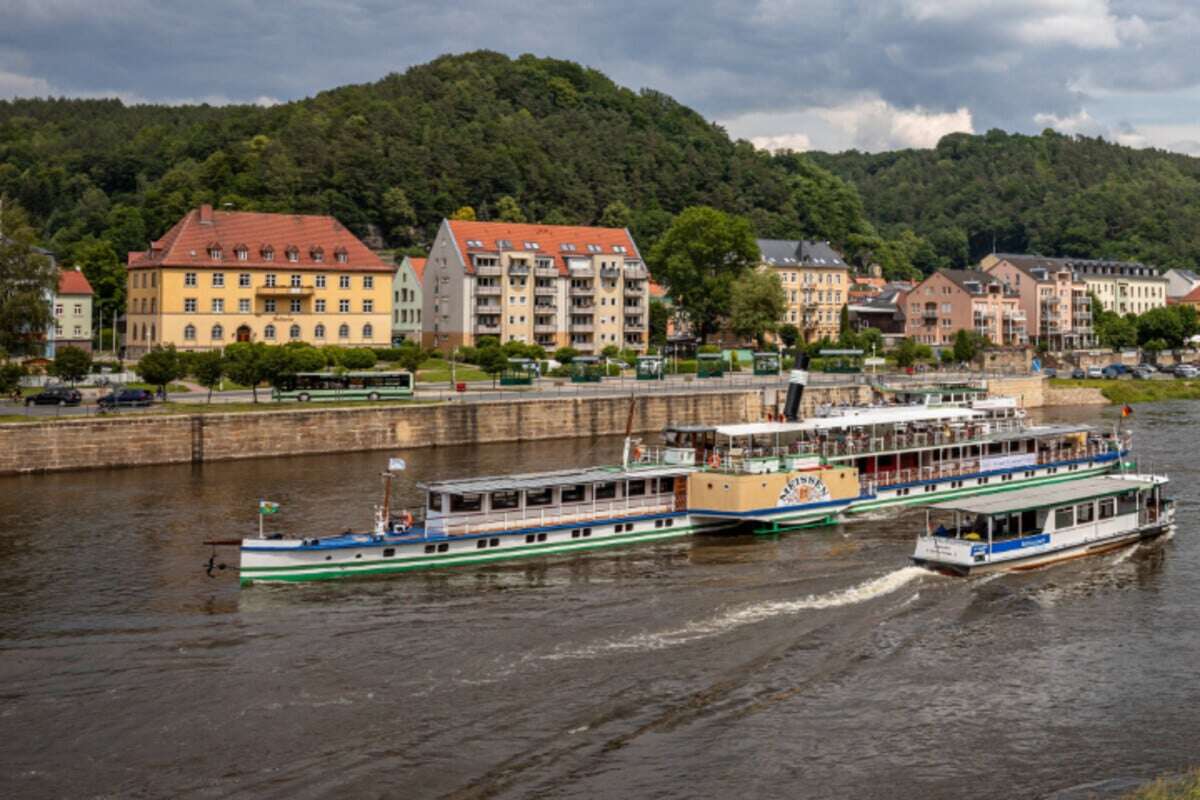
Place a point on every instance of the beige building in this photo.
(1121, 286)
(406, 300)
(816, 282)
(552, 285)
(231, 276)
(948, 301)
(1058, 309)
(72, 312)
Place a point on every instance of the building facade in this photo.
(1057, 305)
(815, 280)
(1121, 286)
(1181, 283)
(948, 301)
(552, 285)
(219, 277)
(72, 308)
(406, 300)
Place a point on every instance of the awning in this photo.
(1057, 494)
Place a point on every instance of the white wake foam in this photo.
(747, 615)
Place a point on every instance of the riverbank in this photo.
(1122, 391)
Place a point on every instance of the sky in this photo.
(802, 74)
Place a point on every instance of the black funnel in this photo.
(796, 384)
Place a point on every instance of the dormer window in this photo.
(532, 246)
(317, 254)
(618, 248)
(504, 244)
(267, 252)
(293, 254)
(567, 247)
(594, 248)
(241, 252)
(214, 251)
(341, 255)
(474, 243)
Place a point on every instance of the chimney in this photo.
(206, 216)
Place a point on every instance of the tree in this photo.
(244, 364)
(464, 214)
(159, 367)
(207, 368)
(508, 210)
(27, 281)
(492, 361)
(757, 304)
(564, 355)
(72, 364)
(398, 213)
(10, 378)
(659, 317)
(906, 353)
(699, 258)
(616, 215)
(967, 345)
(789, 334)
(358, 358)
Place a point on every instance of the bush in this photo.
(708, 348)
(71, 363)
(358, 358)
(683, 366)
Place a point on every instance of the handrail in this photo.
(486, 522)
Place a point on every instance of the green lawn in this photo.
(1131, 391)
(437, 370)
(1185, 787)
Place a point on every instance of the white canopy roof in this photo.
(853, 419)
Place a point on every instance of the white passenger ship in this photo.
(1031, 528)
(771, 476)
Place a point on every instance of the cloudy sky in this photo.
(806, 74)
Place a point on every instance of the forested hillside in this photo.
(547, 140)
(1048, 194)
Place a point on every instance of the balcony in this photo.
(490, 291)
(612, 273)
(633, 308)
(545, 308)
(518, 268)
(489, 269)
(284, 291)
(636, 271)
(635, 287)
(545, 290)
(543, 271)
(634, 324)
(583, 291)
(541, 327)
(583, 272)
(488, 328)
(582, 327)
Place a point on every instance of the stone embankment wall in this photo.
(1081, 396)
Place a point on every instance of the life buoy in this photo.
(637, 454)
(714, 461)
(407, 519)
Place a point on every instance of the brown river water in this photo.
(817, 664)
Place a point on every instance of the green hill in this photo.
(1050, 194)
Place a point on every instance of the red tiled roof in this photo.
(1191, 297)
(188, 241)
(549, 239)
(657, 290)
(418, 265)
(73, 282)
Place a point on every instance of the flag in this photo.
(266, 507)
(396, 464)
(1127, 411)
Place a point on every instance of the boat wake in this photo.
(748, 615)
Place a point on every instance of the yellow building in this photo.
(231, 276)
(816, 282)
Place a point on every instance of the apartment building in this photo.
(406, 300)
(1057, 306)
(72, 307)
(816, 281)
(1121, 286)
(948, 301)
(218, 277)
(553, 285)
(1181, 283)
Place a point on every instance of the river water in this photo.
(813, 665)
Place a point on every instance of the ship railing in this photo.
(489, 521)
(953, 469)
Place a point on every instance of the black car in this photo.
(1078, 373)
(55, 396)
(125, 398)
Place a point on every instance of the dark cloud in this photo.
(861, 73)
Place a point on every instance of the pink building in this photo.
(952, 300)
(1057, 307)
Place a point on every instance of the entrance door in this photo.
(243, 333)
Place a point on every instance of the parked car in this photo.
(1095, 372)
(1186, 371)
(1142, 373)
(1111, 372)
(1079, 373)
(55, 396)
(1050, 372)
(127, 398)
(1120, 369)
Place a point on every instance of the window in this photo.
(218, 333)
(269, 332)
(218, 280)
(244, 280)
(344, 306)
(294, 332)
(294, 281)
(293, 255)
(189, 279)
(505, 500)
(269, 306)
(539, 497)
(78, 330)
(189, 305)
(342, 256)
(320, 281)
(218, 305)
(268, 253)
(368, 332)
(1084, 512)
(573, 494)
(319, 332)
(465, 502)
(1108, 508)
(189, 332)
(244, 305)
(319, 306)
(343, 331)
(435, 501)
(368, 281)
(269, 280)
(318, 255)
(343, 281)
(214, 252)
(388, 552)
(635, 488)
(295, 306)
(242, 254)
(78, 309)
(1064, 517)
(368, 306)
(606, 491)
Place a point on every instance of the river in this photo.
(814, 665)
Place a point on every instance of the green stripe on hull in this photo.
(928, 498)
(331, 571)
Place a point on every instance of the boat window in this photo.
(666, 485)
(1085, 512)
(539, 497)
(503, 500)
(443, 548)
(466, 502)
(429, 548)
(1029, 521)
(482, 543)
(435, 501)
(529, 538)
(541, 537)
(388, 552)
(1108, 508)
(1127, 503)
(573, 494)
(606, 491)
(635, 488)
(493, 543)
(1064, 517)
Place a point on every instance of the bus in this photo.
(306, 386)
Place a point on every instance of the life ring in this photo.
(714, 461)
(637, 454)
(406, 519)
